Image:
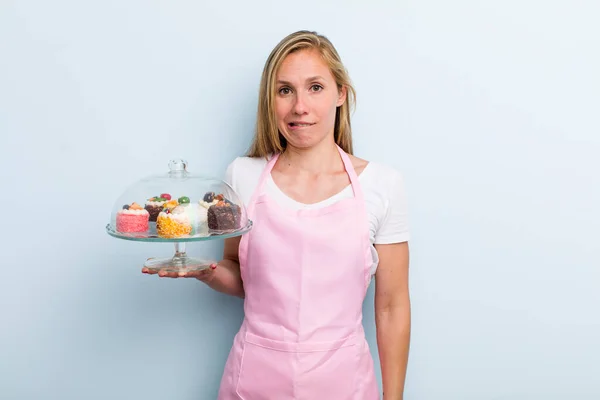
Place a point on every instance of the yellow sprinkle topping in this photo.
(169, 228)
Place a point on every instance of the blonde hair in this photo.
(267, 138)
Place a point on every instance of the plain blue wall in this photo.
(490, 109)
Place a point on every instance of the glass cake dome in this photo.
(178, 207)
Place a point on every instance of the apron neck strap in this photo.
(347, 166)
(351, 174)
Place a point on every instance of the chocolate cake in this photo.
(224, 216)
(154, 205)
(153, 210)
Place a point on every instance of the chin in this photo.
(304, 142)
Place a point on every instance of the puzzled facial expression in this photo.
(306, 99)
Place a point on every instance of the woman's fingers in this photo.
(203, 274)
(146, 270)
(171, 274)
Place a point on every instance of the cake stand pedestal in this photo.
(180, 262)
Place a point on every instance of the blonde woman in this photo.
(325, 222)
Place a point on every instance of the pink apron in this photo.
(305, 276)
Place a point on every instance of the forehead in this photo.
(302, 65)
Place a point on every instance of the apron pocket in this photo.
(329, 374)
(265, 373)
(286, 370)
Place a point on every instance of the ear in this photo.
(342, 92)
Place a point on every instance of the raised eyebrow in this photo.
(311, 79)
(315, 78)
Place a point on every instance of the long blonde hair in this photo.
(267, 138)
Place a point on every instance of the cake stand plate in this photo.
(151, 235)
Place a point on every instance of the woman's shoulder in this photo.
(358, 163)
(384, 188)
(243, 163)
(244, 170)
(376, 172)
(384, 172)
(387, 202)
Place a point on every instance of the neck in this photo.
(321, 158)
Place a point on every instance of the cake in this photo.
(198, 217)
(224, 216)
(210, 199)
(183, 220)
(132, 218)
(171, 224)
(154, 205)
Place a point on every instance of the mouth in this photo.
(298, 124)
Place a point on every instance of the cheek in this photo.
(328, 109)
(281, 109)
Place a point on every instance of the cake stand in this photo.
(180, 261)
(178, 207)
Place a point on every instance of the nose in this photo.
(300, 104)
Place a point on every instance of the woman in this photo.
(325, 222)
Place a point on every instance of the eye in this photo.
(316, 88)
(285, 90)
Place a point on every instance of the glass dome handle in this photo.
(178, 165)
(178, 168)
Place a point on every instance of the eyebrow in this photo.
(312, 78)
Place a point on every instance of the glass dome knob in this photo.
(178, 165)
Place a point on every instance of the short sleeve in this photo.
(394, 224)
(229, 175)
(243, 174)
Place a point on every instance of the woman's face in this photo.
(306, 99)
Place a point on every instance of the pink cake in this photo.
(132, 218)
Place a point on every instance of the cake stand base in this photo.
(180, 262)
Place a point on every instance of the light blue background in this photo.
(490, 110)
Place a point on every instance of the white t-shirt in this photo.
(383, 189)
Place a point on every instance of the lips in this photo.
(299, 124)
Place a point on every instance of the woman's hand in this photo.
(205, 275)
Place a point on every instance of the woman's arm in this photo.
(225, 276)
(392, 316)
